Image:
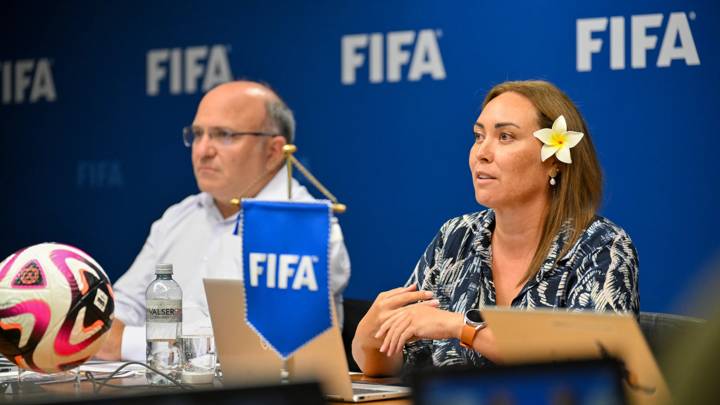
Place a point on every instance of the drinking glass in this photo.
(197, 359)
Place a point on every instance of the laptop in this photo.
(595, 381)
(547, 335)
(246, 360)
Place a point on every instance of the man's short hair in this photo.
(280, 118)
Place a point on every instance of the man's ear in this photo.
(274, 152)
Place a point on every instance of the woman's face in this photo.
(505, 159)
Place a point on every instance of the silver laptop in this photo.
(246, 360)
(547, 335)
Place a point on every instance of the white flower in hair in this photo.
(557, 140)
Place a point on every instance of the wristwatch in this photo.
(473, 323)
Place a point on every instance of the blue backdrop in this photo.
(93, 96)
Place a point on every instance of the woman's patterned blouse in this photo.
(599, 272)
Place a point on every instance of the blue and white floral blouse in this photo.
(599, 272)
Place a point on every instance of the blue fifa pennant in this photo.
(285, 251)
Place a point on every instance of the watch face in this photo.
(474, 315)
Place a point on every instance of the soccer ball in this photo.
(56, 304)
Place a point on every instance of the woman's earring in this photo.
(552, 174)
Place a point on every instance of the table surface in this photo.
(84, 390)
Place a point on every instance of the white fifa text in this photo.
(283, 270)
(27, 80)
(185, 70)
(677, 41)
(385, 55)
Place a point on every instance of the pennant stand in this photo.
(290, 161)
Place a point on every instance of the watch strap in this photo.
(467, 335)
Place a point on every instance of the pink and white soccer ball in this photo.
(56, 304)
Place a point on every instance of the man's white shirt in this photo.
(194, 237)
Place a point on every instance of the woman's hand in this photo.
(365, 345)
(388, 304)
(417, 321)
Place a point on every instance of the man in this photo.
(237, 138)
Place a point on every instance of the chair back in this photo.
(354, 311)
(662, 331)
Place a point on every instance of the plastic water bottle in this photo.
(163, 325)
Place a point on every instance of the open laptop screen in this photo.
(575, 382)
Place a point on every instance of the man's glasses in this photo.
(222, 136)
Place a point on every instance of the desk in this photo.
(71, 391)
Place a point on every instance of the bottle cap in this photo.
(164, 268)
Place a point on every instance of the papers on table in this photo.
(99, 369)
(105, 368)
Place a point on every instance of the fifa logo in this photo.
(27, 80)
(677, 42)
(385, 55)
(184, 70)
(278, 270)
(98, 174)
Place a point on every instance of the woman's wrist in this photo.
(457, 321)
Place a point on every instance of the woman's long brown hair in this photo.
(576, 198)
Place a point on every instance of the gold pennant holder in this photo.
(290, 162)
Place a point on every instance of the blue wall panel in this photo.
(98, 163)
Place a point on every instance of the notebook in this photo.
(246, 360)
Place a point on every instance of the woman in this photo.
(540, 243)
